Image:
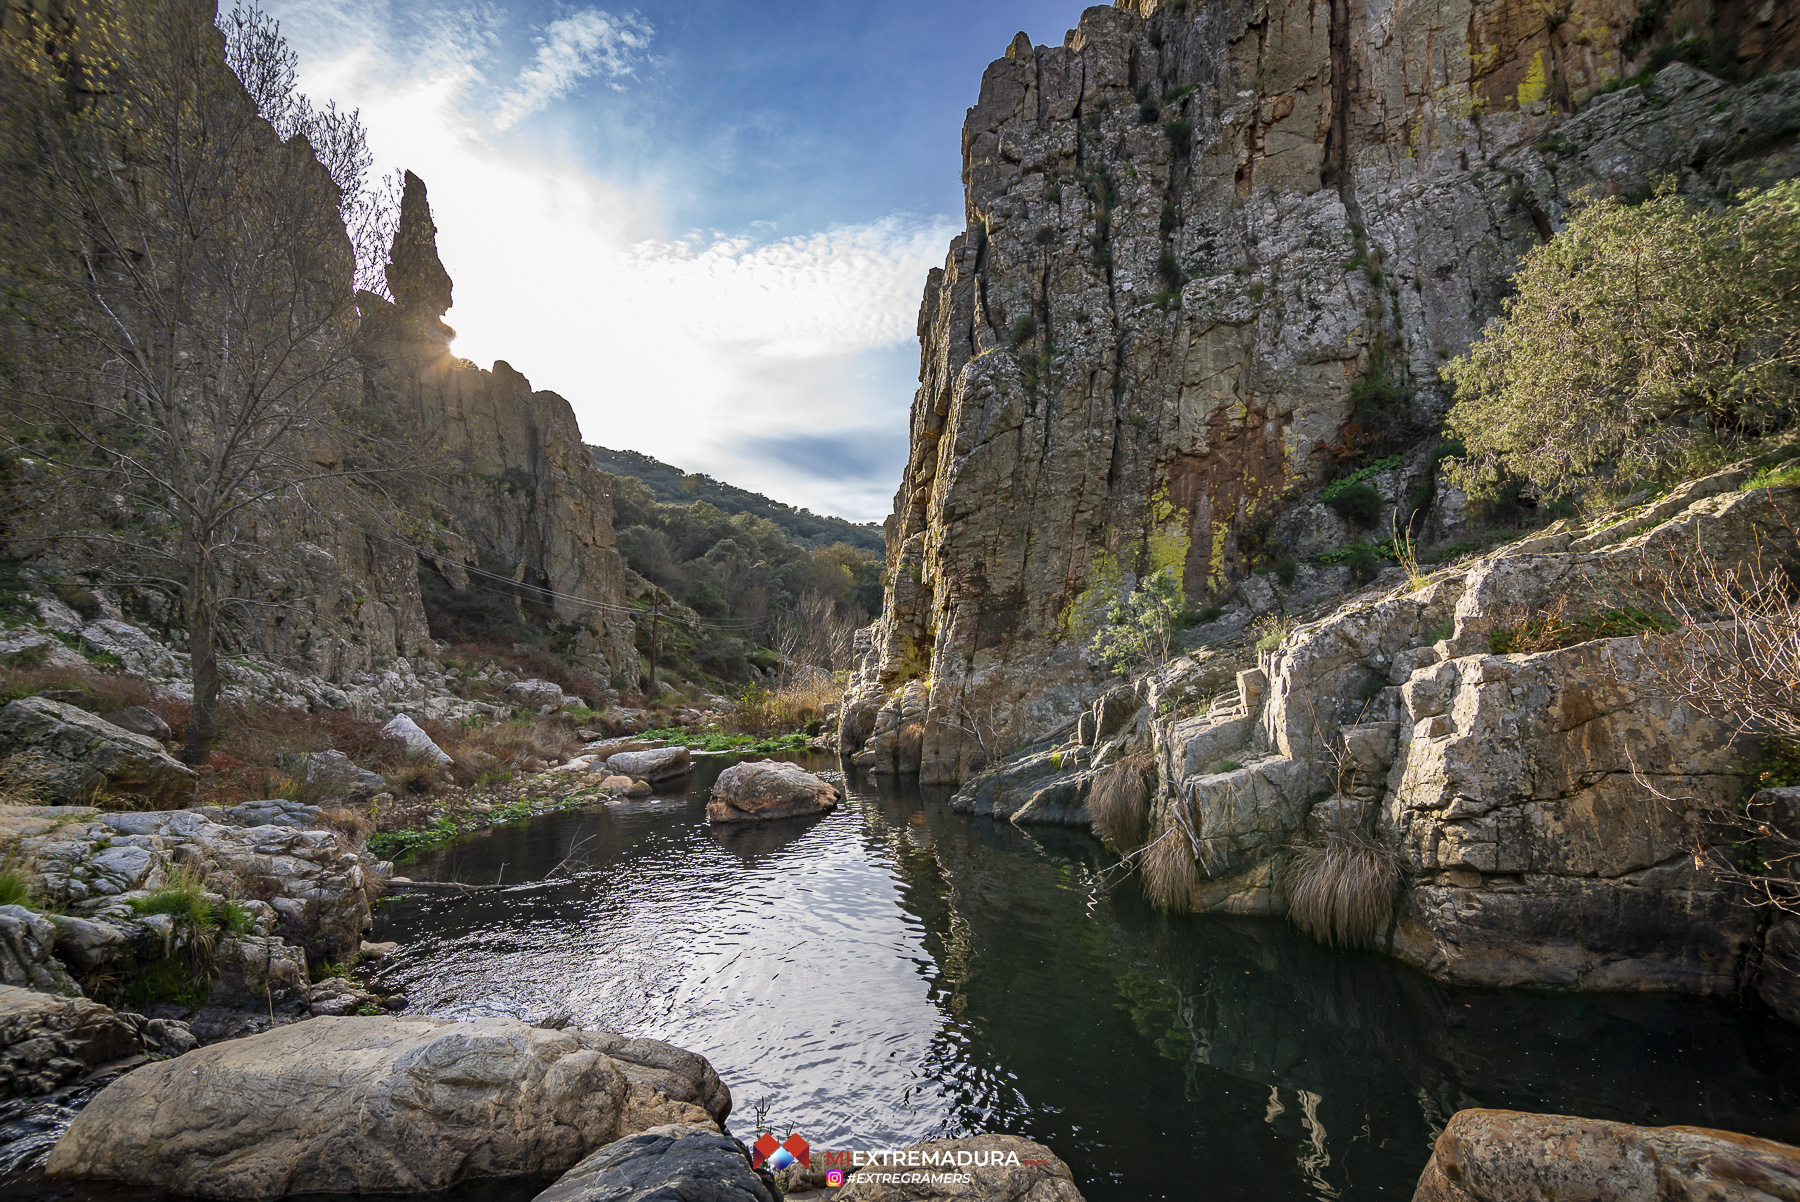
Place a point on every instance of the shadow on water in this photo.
(893, 971)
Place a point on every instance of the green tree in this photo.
(1636, 337)
(1140, 626)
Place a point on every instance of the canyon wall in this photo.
(1213, 250)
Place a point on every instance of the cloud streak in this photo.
(771, 361)
(571, 49)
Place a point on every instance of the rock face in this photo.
(1508, 1156)
(1540, 812)
(1001, 1168)
(73, 755)
(390, 1104)
(529, 504)
(684, 1161)
(767, 789)
(402, 729)
(1191, 232)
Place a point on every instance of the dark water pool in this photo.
(893, 971)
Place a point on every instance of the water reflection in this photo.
(893, 971)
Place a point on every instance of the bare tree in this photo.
(1735, 656)
(180, 341)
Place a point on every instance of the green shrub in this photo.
(1358, 503)
(1180, 134)
(1635, 335)
(1138, 627)
(1024, 329)
(15, 889)
(1285, 570)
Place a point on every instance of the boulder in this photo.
(47, 1041)
(336, 769)
(136, 651)
(141, 721)
(535, 693)
(364, 1105)
(88, 944)
(656, 766)
(257, 972)
(34, 647)
(768, 789)
(1001, 1168)
(418, 744)
(606, 748)
(335, 996)
(621, 784)
(1509, 1156)
(294, 815)
(76, 755)
(684, 1161)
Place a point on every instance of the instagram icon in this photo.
(834, 1178)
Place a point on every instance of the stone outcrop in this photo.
(1542, 810)
(527, 504)
(1508, 1156)
(1000, 1168)
(392, 1104)
(48, 1041)
(302, 885)
(1211, 251)
(68, 754)
(685, 1161)
(768, 789)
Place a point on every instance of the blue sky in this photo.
(705, 223)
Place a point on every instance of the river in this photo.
(894, 971)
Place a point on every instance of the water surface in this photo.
(894, 971)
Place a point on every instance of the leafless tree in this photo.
(180, 335)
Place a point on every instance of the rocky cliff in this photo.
(523, 500)
(1213, 250)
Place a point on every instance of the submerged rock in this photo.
(656, 766)
(1001, 1168)
(361, 1105)
(1510, 1156)
(769, 789)
(74, 755)
(679, 1161)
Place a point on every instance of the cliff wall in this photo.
(1213, 249)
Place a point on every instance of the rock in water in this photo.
(768, 789)
(75, 754)
(420, 744)
(363, 1105)
(692, 1163)
(1003, 1168)
(657, 766)
(1509, 1156)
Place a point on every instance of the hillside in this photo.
(673, 486)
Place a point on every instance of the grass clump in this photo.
(1340, 889)
(15, 889)
(1170, 872)
(1554, 631)
(1118, 802)
(184, 898)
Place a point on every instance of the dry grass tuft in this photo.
(1119, 801)
(1341, 891)
(1170, 873)
(789, 706)
(513, 742)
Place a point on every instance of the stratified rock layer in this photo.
(1191, 232)
(386, 1104)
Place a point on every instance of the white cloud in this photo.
(704, 349)
(570, 50)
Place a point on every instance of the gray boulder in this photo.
(334, 768)
(141, 721)
(680, 1161)
(75, 754)
(656, 766)
(367, 1105)
(88, 944)
(276, 811)
(768, 789)
(534, 693)
(33, 646)
(418, 744)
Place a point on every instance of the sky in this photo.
(707, 223)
